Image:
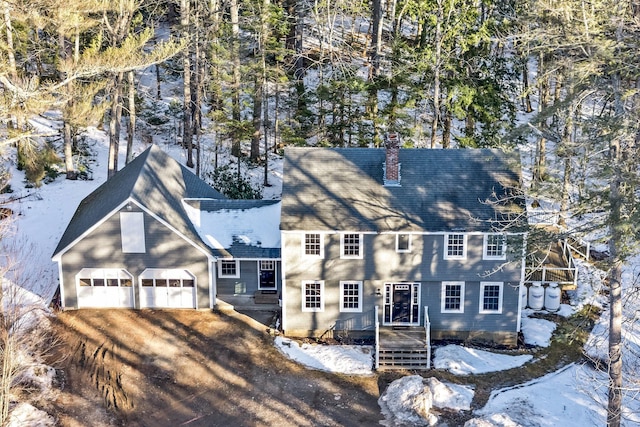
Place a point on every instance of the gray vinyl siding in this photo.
(381, 264)
(471, 319)
(102, 248)
(248, 282)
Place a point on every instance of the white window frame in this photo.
(409, 236)
(104, 274)
(132, 232)
(271, 266)
(166, 275)
(481, 308)
(446, 246)
(228, 276)
(443, 297)
(360, 246)
(304, 246)
(304, 295)
(342, 300)
(485, 247)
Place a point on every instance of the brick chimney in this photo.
(392, 164)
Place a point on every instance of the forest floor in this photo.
(193, 368)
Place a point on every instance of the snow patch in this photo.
(465, 361)
(345, 359)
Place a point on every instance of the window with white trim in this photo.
(351, 245)
(455, 246)
(452, 297)
(403, 242)
(491, 297)
(313, 245)
(351, 296)
(313, 295)
(162, 278)
(228, 268)
(113, 277)
(495, 246)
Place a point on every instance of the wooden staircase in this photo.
(403, 348)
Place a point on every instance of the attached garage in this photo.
(167, 288)
(104, 288)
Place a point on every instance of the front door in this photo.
(401, 304)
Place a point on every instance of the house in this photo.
(365, 242)
(156, 236)
(376, 238)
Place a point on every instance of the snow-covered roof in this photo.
(240, 228)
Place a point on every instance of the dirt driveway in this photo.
(194, 368)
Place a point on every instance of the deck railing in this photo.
(427, 331)
(377, 322)
(562, 275)
(578, 246)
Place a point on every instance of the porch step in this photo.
(266, 297)
(403, 358)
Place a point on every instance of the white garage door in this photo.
(167, 288)
(104, 288)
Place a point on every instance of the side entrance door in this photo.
(401, 304)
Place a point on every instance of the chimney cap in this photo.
(392, 140)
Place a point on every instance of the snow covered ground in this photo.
(573, 396)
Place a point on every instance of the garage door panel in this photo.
(103, 297)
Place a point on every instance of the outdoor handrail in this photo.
(427, 330)
(377, 362)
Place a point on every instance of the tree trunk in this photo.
(376, 39)
(9, 48)
(436, 73)
(187, 125)
(68, 151)
(235, 51)
(131, 125)
(257, 118)
(446, 129)
(114, 127)
(525, 82)
(539, 170)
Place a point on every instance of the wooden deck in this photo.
(553, 267)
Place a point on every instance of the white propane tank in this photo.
(536, 296)
(552, 297)
(523, 296)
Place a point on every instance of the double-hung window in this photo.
(351, 296)
(313, 295)
(490, 297)
(495, 246)
(452, 297)
(228, 268)
(313, 245)
(351, 245)
(455, 246)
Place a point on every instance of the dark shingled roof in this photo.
(153, 179)
(440, 190)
